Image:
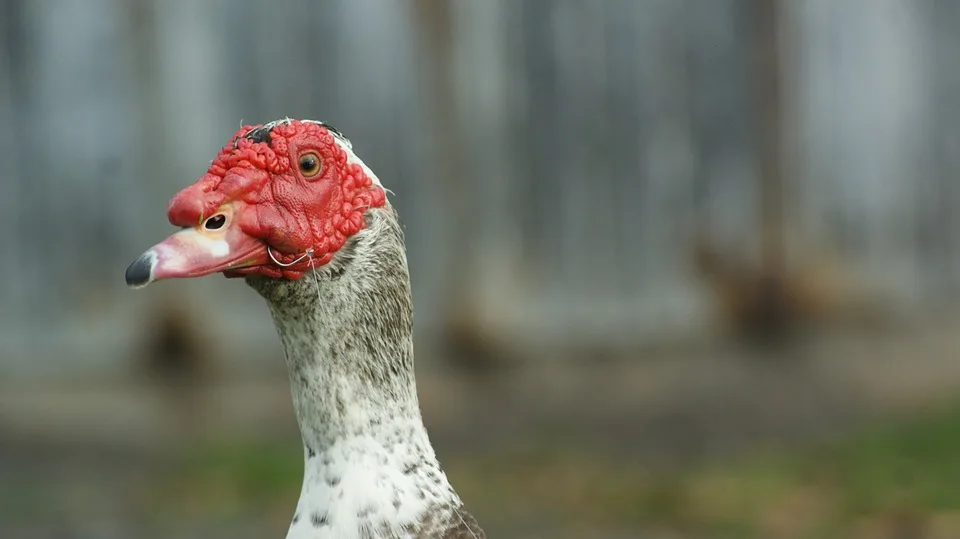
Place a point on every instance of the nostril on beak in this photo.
(138, 273)
(216, 222)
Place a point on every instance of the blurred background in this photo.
(682, 268)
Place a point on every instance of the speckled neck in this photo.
(346, 330)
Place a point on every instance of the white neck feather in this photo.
(370, 470)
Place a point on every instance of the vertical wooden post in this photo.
(434, 20)
(770, 106)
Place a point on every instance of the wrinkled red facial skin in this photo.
(273, 201)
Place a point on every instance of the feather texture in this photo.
(346, 329)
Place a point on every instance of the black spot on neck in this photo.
(319, 519)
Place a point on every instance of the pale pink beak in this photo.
(195, 252)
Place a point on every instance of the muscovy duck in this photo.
(290, 207)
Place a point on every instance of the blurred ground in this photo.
(848, 435)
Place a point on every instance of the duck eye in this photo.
(215, 222)
(309, 165)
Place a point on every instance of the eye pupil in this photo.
(309, 164)
(215, 222)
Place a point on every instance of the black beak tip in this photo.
(138, 273)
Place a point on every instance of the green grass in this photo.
(892, 478)
(227, 479)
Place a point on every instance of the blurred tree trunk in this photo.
(771, 172)
(146, 46)
(773, 314)
(434, 20)
(13, 89)
(939, 238)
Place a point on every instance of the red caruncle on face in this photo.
(289, 185)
